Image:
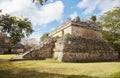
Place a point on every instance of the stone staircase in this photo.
(43, 51)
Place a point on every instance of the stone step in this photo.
(41, 49)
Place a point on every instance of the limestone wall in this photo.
(16, 51)
(76, 48)
(86, 33)
(86, 56)
(42, 53)
(61, 30)
(79, 44)
(68, 30)
(77, 29)
(58, 34)
(59, 56)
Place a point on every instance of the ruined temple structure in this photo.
(78, 41)
(43, 51)
(88, 30)
(7, 48)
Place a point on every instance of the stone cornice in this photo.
(90, 25)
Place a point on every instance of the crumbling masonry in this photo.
(84, 43)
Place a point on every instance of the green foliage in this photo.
(93, 18)
(110, 23)
(115, 75)
(67, 35)
(41, 1)
(111, 20)
(45, 35)
(56, 38)
(16, 27)
(0, 10)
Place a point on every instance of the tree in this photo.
(17, 28)
(1, 39)
(41, 1)
(0, 10)
(45, 35)
(110, 23)
(93, 18)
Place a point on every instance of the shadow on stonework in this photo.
(98, 61)
(22, 73)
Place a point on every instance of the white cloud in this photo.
(103, 5)
(72, 16)
(40, 16)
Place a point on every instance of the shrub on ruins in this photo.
(93, 18)
(67, 35)
(56, 38)
(110, 23)
(45, 35)
(1, 39)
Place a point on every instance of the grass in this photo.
(51, 68)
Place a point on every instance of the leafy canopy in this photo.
(41, 1)
(15, 27)
(110, 23)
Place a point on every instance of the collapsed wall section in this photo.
(43, 51)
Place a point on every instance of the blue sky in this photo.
(55, 12)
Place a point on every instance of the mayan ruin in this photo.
(7, 48)
(78, 41)
(59, 38)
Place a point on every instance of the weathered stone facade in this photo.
(88, 30)
(86, 33)
(88, 56)
(84, 43)
(43, 51)
(76, 48)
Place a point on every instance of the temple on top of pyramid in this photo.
(89, 29)
(84, 43)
